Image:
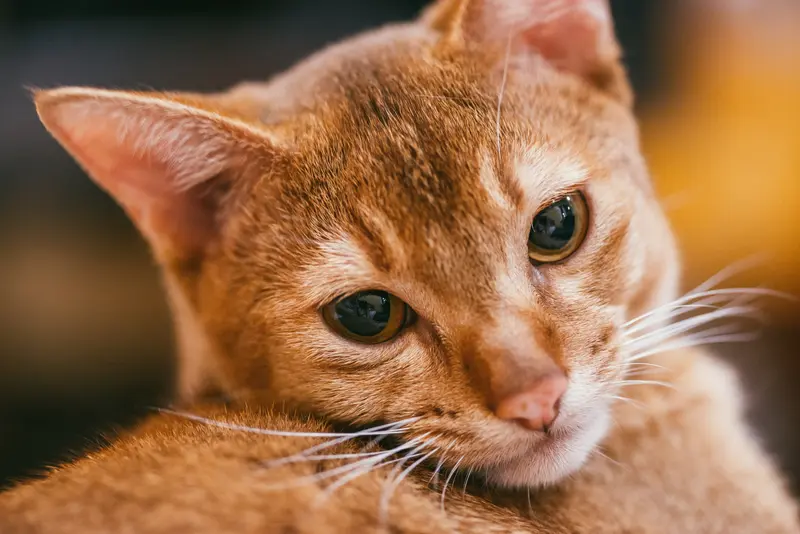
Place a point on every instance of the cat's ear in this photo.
(576, 36)
(170, 161)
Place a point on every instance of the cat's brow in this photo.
(543, 174)
(341, 268)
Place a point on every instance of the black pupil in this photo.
(364, 314)
(554, 226)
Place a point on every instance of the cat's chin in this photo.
(552, 459)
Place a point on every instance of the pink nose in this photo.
(536, 408)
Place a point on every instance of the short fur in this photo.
(681, 462)
(413, 159)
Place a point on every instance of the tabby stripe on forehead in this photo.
(373, 244)
(380, 241)
(503, 192)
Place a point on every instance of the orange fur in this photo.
(680, 463)
(411, 159)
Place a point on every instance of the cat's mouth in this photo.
(551, 457)
(506, 455)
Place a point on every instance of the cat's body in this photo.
(349, 241)
(682, 462)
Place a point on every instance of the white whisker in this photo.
(730, 300)
(727, 292)
(610, 459)
(372, 460)
(757, 291)
(398, 468)
(268, 432)
(530, 506)
(396, 428)
(442, 459)
(449, 478)
(694, 342)
(466, 481)
(389, 491)
(731, 270)
(628, 400)
(645, 383)
(680, 309)
(628, 364)
(435, 474)
(686, 325)
(642, 372)
(319, 457)
(362, 470)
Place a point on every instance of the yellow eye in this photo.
(559, 229)
(368, 317)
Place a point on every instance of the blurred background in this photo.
(85, 342)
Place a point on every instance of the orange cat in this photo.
(442, 232)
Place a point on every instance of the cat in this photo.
(679, 461)
(443, 231)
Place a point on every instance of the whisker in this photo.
(398, 468)
(719, 312)
(442, 459)
(387, 494)
(268, 432)
(354, 474)
(732, 300)
(715, 331)
(731, 270)
(686, 325)
(645, 383)
(680, 309)
(436, 471)
(345, 468)
(758, 291)
(466, 481)
(628, 364)
(319, 457)
(610, 459)
(694, 342)
(530, 506)
(372, 431)
(727, 292)
(449, 477)
(628, 400)
(642, 372)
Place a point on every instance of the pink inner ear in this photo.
(138, 159)
(574, 35)
(176, 221)
(574, 41)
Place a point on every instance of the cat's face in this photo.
(376, 261)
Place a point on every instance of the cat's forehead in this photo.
(426, 189)
(401, 156)
(403, 182)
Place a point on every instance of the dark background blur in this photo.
(85, 343)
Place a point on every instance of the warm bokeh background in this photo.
(84, 331)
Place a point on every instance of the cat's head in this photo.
(448, 220)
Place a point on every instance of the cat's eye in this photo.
(368, 316)
(559, 229)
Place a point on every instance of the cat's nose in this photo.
(536, 408)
